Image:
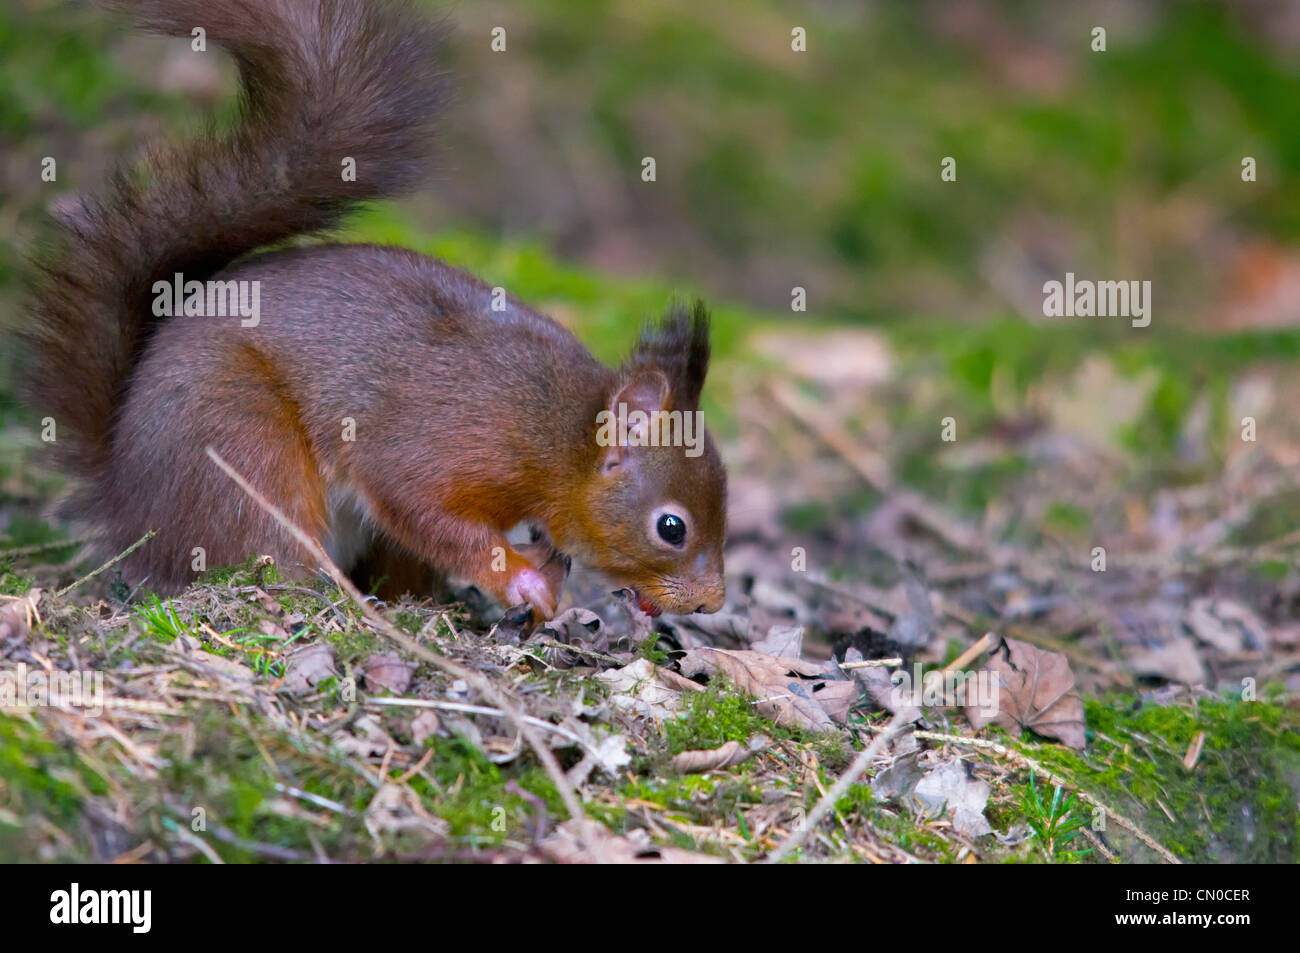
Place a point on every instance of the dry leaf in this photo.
(307, 666)
(387, 670)
(396, 809)
(424, 725)
(1176, 660)
(645, 690)
(949, 788)
(583, 841)
(608, 753)
(877, 683)
(1036, 691)
(782, 694)
(724, 756)
(783, 641)
(273, 629)
(268, 602)
(573, 625)
(899, 779)
(1228, 626)
(366, 738)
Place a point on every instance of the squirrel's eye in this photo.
(671, 528)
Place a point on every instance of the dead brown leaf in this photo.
(724, 756)
(388, 670)
(1036, 691)
(583, 841)
(307, 666)
(787, 689)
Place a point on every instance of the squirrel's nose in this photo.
(716, 597)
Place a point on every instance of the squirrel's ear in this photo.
(679, 346)
(627, 425)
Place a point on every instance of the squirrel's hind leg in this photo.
(163, 479)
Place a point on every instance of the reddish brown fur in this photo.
(467, 420)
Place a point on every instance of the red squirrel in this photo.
(375, 395)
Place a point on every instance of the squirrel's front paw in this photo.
(530, 586)
(550, 562)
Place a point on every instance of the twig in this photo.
(872, 663)
(404, 641)
(43, 547)
(316, 799)
(116, 559)
(480, 710)
(1025, 761)
(986, 642)
(832, 797)
(580, 650)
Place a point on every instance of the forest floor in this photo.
(1116, 508)
(1137, 586)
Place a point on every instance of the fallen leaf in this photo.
(273, 629)
(645, 690)
(365, 739)
(898, 780)
(1226, 625)
(307, 666)
(949, 788)
(424, 725)
(573, 625)
(724, 756)
(1176, 660)
(396, 809)
(584, 841)
(913, 627)
(783, 695)
(268, 602)
(878, 685)
(387, 670)
(609, 754)
(1035, 691)
(783, 641)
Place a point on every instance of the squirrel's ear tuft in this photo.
(677, 345)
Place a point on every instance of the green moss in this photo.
(1272, 519)
(715, 716)
(901, 829)
(40, 779)
(13, 582)
(1066, 519)
(858, 798)
(1237, 805)
(472, 796)
(251, 572)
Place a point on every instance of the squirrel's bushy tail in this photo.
(321, 81)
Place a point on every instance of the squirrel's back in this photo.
(327, 86)
(391, 407)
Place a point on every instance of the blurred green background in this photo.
(818, 169)
(779, 169)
